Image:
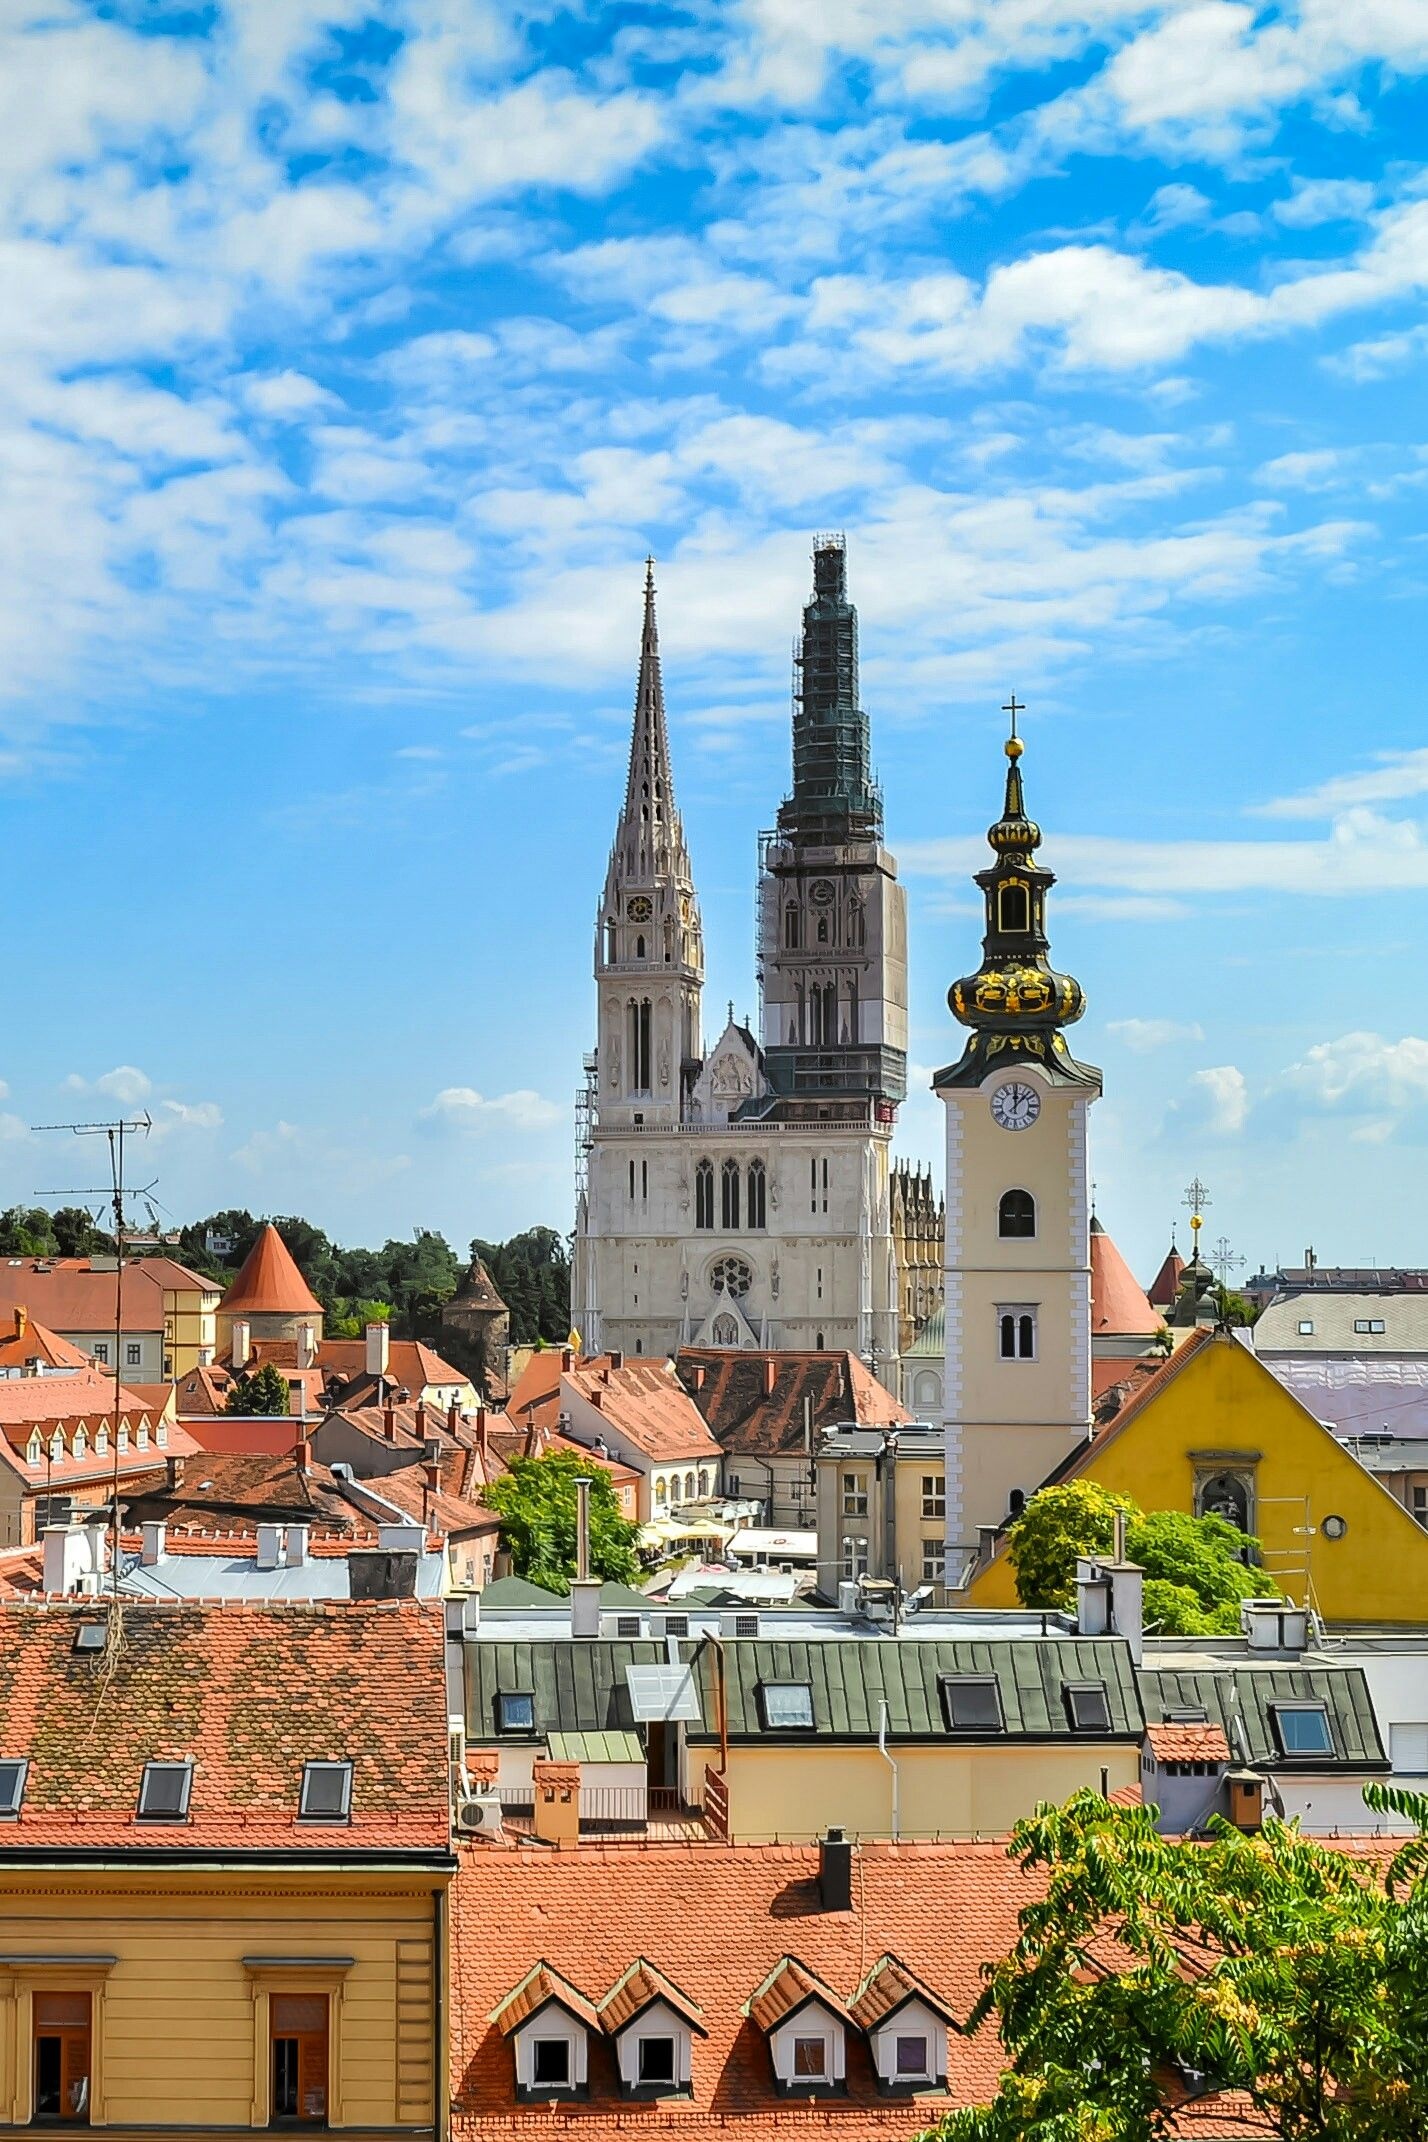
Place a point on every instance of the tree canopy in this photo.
(264, 1391)
(1196, 1568)
(536, 1503)
(31, 1231)
(1149, 1971)
(531, 1273)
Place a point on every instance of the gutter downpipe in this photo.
(883, 1752)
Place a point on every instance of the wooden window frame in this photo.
(21, 1978)
(268, 1975)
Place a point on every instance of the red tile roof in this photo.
(1188, 1743)
(1165, 1286)
(410, 1363)
(647, 1406)
(755, 1403)
(1117, 1303)
(64, 1395)
(269, 1283)
(25, 1341)
(248, 1694)
(717, 1921)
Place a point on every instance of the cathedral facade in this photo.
(740, 1195)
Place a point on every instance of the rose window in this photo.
(731, 1276)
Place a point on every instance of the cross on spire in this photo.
(1014, 706)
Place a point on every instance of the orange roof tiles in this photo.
(1165, 1286)
(755, 1403)
(26, 1341)
(638, 1988)
(248, 1695)
(1117, 1304)
(269, 1282)
(789, 1986)
(887, 1986)
(716, 1921)
(66, 1394)
(1188, 1743)
(410, 1362)
(537, 1990)
(646, 1405)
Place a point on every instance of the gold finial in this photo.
(1013, 746)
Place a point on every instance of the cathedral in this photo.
(741, 1195)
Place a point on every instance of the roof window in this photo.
(787, 1706)
(1302, 1728)
(1186, 1714)
(971, 1703)
(515, 1711)
(89, 1636)
(12, 1788)
(326, 1792)
(1088, 1707)
(1306, 1326)
(164, 1791)
(1373, 1324)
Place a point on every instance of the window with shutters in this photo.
(63, 2024)
(299, 2023)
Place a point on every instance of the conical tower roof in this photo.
(1166, 1283)
(1118, 1307)
(269, 1283)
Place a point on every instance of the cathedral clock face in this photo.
(639, 909)
(1015, 1105)
(820, 892)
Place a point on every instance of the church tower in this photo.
(1017, 1383)
(649, 972)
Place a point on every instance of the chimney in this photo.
(270, 1547)
(242, 1341)
(22, 1318)
(304, 1455)
(696, 1376)
(567, 1360)
(835, 1872)
(306, 1346)
(1109, 1600)
(483, 1443)
(152, 1547)
(597, 1400)
(617, 1361)
(297, 1545)
(420, 1421)
(66, 1556)
(453, 1419)
(1245, 1790)
(173, 1473)
(557, 1803)
(585, 1590)
(379, 1349)
(389, 1423)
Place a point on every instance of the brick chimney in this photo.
(567, 1360)
(389, 1423)
(304, 1455)
(453, 1418)
(421, 1420)
(617, 1361)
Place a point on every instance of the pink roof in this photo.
(1117, 1303)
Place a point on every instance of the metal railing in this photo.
(610, 1809)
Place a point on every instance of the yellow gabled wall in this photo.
(1221, 1405)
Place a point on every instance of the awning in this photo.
(778, 1546)
(664, 1531)
(662, 1694)
(610, 1747)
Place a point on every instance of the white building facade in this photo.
(739, 1196)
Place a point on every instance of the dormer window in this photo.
(326, 1792)
(906, 2026)
(806, 2026)
(549, 2023)
(787, 1705)
(1302, 1728)
(1088, 1707)
(971, 1703)
(653, 2026)
(164, 1792)
(34, 1449)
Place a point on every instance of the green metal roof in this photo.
(595, 1747)
(516, 1592)
(580, 1687)
(1241, 1701)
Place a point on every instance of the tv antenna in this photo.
(115, 1133)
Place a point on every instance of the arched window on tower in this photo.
(1013, 908)
(704, 1194)
(610, 954)
(669, 939)
(792, 931)
(823, 929)
(640, 946)
(729, 1194)
(1016, 1215)
(758, 1194)
(640, 1045)
(857, 925)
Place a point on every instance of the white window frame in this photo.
(854, 1494)
(551, 2022)
(811, 2020)
(853, 1557)
(1018, 1311)
(659, 2020)
(934, 1494)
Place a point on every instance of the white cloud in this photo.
(189, 1115)
(125, 1084)
(1145, 1035)
(287, 395)
(1362, 1071)
(463, 1107)
(1216, 1104)
(1395, 776)
(1312, 470)
(1316, 201)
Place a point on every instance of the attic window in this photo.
(1306, 1326)
(676, 1625)
(627, 1625)
(1369, 1324)
(1302, 1728)
(89, 1636)
(787, 1706)
(164, 1791)
(1088, 1707)
(12, 1789)
(326, 1792)
(515, 1711)
(1186, 1714)
(971, 1703)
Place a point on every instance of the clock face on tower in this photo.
(639, 909)
(821, 892)
(1015, 1105)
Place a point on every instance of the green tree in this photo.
(1150, 1970)
(536, 1502)
(1234, 1308)
(531, 1273)
(265, 1391)
(76, 1234)
(27, 1231)
(1197, 1569)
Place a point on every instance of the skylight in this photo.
(12, 1788)
(787, 1706)
(1302, 1728)
(164, 1791)
(1088, 1707)
(515, 1711)
(326, 1792)
(89, 1636)
(971, 1703)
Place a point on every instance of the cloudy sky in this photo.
(351, 360)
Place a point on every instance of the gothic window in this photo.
(704, 1194)
(1016, 1334)
(632, 1182)
(817, 1185)
(823, 929)
(731, 1276)
(1227, 1495)
(640, 947)
(1016, 1214)
(1013, 908)
(640, 1045)
(669, 940)
(729, 1195)
(610, 941)
(857, 926)
(792, 933)
(758, 1198)
(726, 1331)
(689, 1487)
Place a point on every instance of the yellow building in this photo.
(226, 1846)
(880, 1500)
(1214, 1430)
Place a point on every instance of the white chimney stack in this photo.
(297, 1545)
(152, 1547)
(306, 1346)
(66, 1558)
(270, 1546)
(242, 1341)
(379, 1349)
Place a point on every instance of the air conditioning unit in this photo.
(480, 1816)
(848, 1596)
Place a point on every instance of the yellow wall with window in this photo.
(1216, 1410)
(181, 1967)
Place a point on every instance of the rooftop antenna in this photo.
(116, 1132)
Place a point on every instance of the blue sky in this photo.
(352, 361)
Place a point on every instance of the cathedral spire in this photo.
(834, 796)
(650, 779)
(1016, 1003)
